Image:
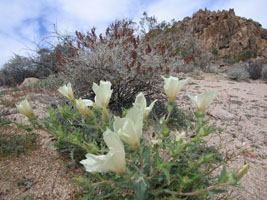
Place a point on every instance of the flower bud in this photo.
(25, 108)
(140, 102)
(66, 91)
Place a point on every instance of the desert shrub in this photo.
(45, 63)
(125, 59)
(16, 70)
(264, 73)
(238, 74)
(244, 56)
(212, 69)
(19, 67)
(254, 69)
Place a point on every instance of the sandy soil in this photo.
(240, 110)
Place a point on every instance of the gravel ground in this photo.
(240, 110)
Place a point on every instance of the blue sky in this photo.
(25, 22)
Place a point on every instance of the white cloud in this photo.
(11, 46)
(253, 9)
(173, 9)
(20, 20)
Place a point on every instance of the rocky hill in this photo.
(224, 34)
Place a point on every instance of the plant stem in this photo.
(157, 170)
(131, 163)
(141, 161)
(197, 192)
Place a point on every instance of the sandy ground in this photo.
(240, 110)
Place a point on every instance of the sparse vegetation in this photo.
(12, 144)
(244, 57)
(238, 74)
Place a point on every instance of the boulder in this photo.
(29, 82)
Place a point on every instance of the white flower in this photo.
(203, 100)
(25, 108)
(130, 127)
(82, 106)
(113, 161)
(172, 86)
(140, 102)
(102, 93)
(66, 91)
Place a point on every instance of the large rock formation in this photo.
(225, 33)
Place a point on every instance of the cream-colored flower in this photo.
(130, 128)
(66, 91)
(172, 86)
(82, 106)
(102, 93)
(203, 100)
(140, 102)
(113, 161)
(25, 108)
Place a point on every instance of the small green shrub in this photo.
(238, 74)
(14, 145)
(254, 69)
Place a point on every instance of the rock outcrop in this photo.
(225, 32)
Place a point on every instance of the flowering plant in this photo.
(124, 161)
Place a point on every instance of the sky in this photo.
(25, 23)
